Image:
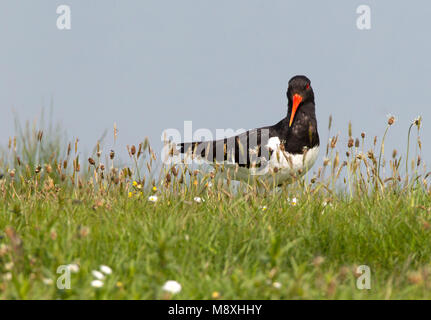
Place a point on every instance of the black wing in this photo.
(244, 149)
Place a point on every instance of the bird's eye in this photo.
(307, 86)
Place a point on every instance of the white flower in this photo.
(152, 199)
(276, 285)
(7, 276)
(105, 269)
(47, 281)
(73, 267)
(293, 202)
(97, 283)
(172, 286)
(263, 208)
(198, 199)
(98, 275)
(8, 266)
(325, 203)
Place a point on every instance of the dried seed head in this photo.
(48, 168)
(168, 177)
(91, 161)
(18, 160)
(419, 161)
(139, 150)
(347, 154)
(350, 143)
(418, 122)
(174, 171)
(38, 168)
(12, 173)
(102, 167)
(350, 128)
(39, 135)
(112, 154)
(375, 140)
(133, 150)
(357, 143)
(363, 135)
(65, 164)
(391, 120)
(318, 261)
(334, 142)
(330, 122)
(394, 153)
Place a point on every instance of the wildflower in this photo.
(73, 267)
(98, 275)
(215, 295)
(293, 202)
(3, 249)
(154, 188)
(152, 199)
(97, 283)
(119, 284)
(7, 276)
(326, 203)
(318, 261)
(130, 194)
(264, 208)
(105, 269)
(198, 199)
(8, 266)
(276, 285)
(172, 286)
(135, 183)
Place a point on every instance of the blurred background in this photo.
(151, 65)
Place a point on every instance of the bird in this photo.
(275, 154)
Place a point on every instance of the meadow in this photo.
(218, 239)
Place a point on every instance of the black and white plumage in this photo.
(279, 152)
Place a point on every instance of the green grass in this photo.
(236, 244)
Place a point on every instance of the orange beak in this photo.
(296, 101)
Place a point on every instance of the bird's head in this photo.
(299, 93)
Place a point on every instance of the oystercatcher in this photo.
(279, 152)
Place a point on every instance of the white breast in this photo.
(281, 165)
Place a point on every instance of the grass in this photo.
(217, 239)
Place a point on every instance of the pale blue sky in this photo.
(150, 65)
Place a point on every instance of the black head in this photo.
(299, 93)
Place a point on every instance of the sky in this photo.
(151, 65)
